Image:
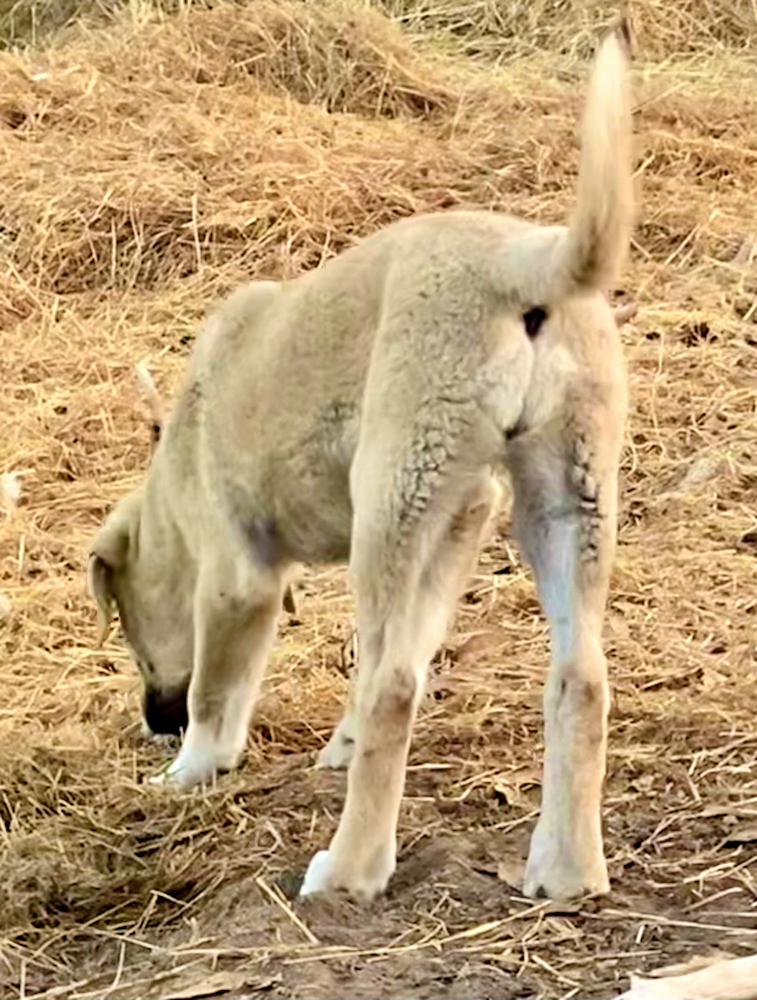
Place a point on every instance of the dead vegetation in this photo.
(147, 168)
(493, 30)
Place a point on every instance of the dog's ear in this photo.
(100, 587)
(154, 403)
(107, 556)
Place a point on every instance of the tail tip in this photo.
(623, 32)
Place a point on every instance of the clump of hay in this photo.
(195, 157)
(337, 56)
(340, 59)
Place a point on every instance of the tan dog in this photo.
(356, 413)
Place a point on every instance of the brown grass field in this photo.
(149, 162)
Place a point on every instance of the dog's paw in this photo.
(317, 876)
(337, 754)
(191, 767)
(325, 874)
(555, 872)
(167, 778)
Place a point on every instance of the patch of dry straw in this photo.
(490, 29)
(146, 169)
(496, 30)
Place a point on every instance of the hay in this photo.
(500, 31)
(150, 166)
(492, 30)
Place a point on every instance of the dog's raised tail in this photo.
(599, 231)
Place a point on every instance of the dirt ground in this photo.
(147, 166)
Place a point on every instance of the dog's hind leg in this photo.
(236, 611)
(564, 520)
(340, 748)
(404, 600)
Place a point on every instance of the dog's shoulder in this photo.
(231, 320)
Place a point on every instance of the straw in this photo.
(148, 166)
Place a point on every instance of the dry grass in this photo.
(494, 30)
(149, 167)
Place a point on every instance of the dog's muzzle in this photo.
(165, 712)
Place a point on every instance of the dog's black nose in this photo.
(165, 712)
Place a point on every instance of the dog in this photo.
(361, 412)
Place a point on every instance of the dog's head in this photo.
(138, 572)
(139, 568)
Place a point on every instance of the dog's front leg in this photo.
(235, 625)
(564, 517)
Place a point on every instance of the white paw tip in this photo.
(169, 774)
(316, 877)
